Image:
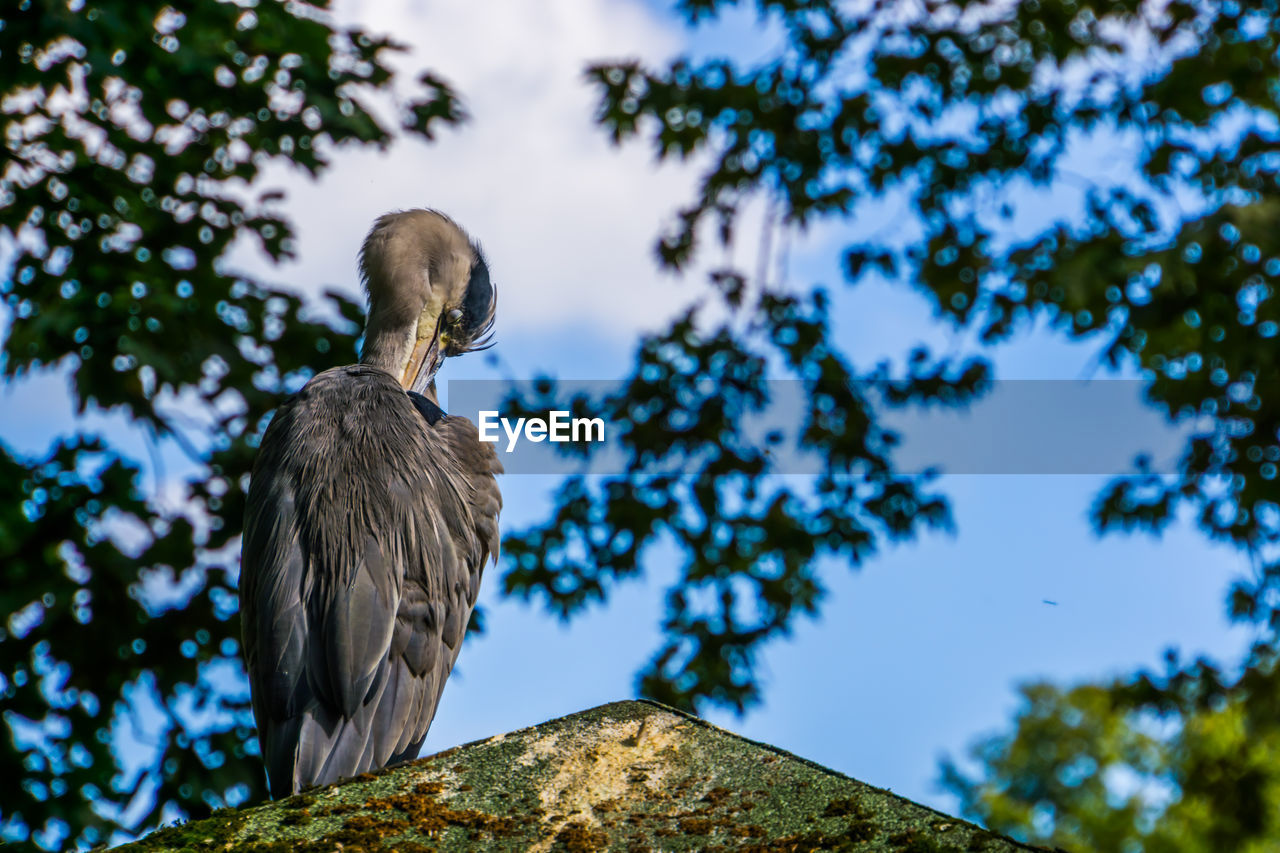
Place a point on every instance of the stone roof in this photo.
(629, 776)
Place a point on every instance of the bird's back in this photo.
(366, 532)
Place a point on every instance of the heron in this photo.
(370, 517)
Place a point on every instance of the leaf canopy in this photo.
(134, 133)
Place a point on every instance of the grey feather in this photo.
(367, 529)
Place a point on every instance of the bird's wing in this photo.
(273, 619)
(456, 527)
(322, 568)
(441, 543)
(361, 570)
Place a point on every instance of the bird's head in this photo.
(429, 296)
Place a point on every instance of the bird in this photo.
(370, 517)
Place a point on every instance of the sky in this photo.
(916, 653)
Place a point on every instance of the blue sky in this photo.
(916, 653)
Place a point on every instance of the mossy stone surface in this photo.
(629, 776)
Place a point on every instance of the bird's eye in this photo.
(454, 316)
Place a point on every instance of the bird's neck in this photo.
(387, 345)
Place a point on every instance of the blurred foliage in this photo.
(1108, 170)
(132, 131)
(696, 474)
(1179, 763)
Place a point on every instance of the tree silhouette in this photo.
(972, 116)
(132, 131)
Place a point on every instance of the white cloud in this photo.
(568, 220)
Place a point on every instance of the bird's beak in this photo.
(424, 361)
